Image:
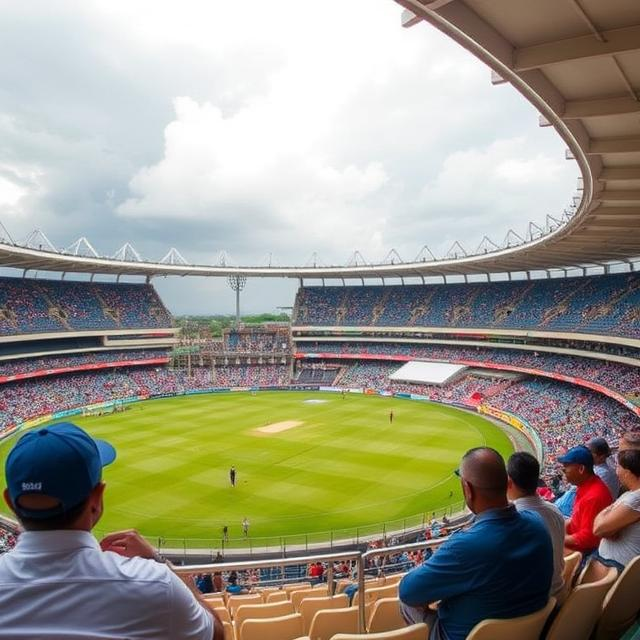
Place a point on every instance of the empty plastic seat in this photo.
(414, 632)
(281, 628)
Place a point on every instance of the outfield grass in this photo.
(346, 466)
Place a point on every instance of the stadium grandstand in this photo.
(545, 333)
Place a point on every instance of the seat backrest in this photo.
(233, 602)
(527, 627)
(283, 628)
(621, 605)
(223, 613)
(414, 632)
(228, 631)
(571, 563)
(385, 616)
(266, 591)
(296, 597)
(214, 601)
(326, 623)
(394, 578)
(310, 606)
(579, 614)
(371, 595)
(276, 596)
(273, 610)
(296, 586)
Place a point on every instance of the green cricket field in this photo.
(309, 464)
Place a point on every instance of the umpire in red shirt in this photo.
(592, 497)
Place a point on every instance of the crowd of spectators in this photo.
(613, 375)
(69, 361)
(265, 375)
(254, 340)
(316, 373)
(8, 536)
(594, 304)
(37, 306)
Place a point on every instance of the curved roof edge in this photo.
(576, 63)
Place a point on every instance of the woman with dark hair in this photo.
(619, 524)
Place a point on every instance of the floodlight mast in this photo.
(237, 284)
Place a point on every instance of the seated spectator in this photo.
(600, 451)
(619, 524)
(59, 582)
(524, 471)
(501, 567)
(566, 501)
(630, 440)
(592, 496)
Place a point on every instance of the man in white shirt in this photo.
(523, 472)
(59, 582)
(601, 452)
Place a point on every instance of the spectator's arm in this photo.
(611, 521)
(131, 545)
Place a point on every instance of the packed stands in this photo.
(605, 304)
(273, 339)
(251, 376)
(30, 365)
(42, 306)
(613, 375)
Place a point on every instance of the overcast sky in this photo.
(285, 127)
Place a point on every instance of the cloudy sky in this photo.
(257, 128)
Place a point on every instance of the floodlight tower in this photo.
(237, 284)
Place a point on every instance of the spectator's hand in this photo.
(129, 544)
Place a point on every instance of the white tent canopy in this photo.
(427, 372)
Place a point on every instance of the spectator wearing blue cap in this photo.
(58, 581)
(592, 496)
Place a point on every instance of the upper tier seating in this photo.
(613, 375)
(39, 306)
(595, 304)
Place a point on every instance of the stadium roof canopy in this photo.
(578, 63)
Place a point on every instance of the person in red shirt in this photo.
(592, 497)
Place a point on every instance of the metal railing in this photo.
(303, 542)
(358, 557)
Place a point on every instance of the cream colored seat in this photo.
(296, 597)
(282, 628)
(228, 631)
(385, 616)
(266, 591)
(295, 586)
(394, 578)
(326, 623)
(253, 611)
(224, 614)
(310, 606)
(621, 604)
(580, 612)
(571, 563)
(527, 627)
(414, 632)
(371, 595)
(276, 596)
(214, 600)
(233, 602)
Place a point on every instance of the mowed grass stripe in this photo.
(345, 466)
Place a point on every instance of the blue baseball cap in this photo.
(577, 455)
(61, 461)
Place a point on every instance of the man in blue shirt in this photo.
(501, 567)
